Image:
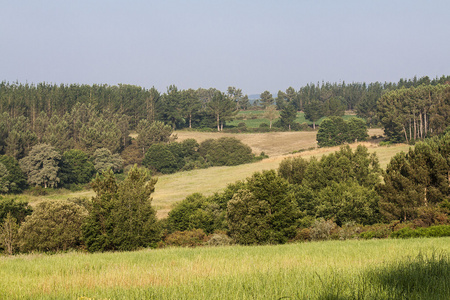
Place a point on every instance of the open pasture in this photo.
(373, 269)
(254, 118)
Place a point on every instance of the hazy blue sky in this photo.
(255, 45)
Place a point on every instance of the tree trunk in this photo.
(218, 122)
(406, 136)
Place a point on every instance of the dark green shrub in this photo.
(192, 213)
(37, 191)
(376, 231)
(75, 168)
(225, 152)
(18, 209)
(433, 231)
(160, 158)
(121, 216)
(262, 212)
(302, 235)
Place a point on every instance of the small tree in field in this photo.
(9, 234)
(135, 223)
(263, 211)
(121, 217)
(271, 114)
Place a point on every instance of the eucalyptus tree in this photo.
(190, 103)
(271, 114)
(222, 107)
(235, 95)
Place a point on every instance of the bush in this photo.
(262, 212)
(160, 158)
(219, 239)
(303, 235)
(379, 231)
(17, 181)
(225, 152)
(349, 230)
(191, 213)
(53, 226)
(322, 230)
(433, 231)
(190, 238)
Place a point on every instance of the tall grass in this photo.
(374, 269)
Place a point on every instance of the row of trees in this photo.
(268, 207)
(178, 108)
(191, 108)
(410, 114)
(46, 166)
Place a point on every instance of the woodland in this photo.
(116, 139)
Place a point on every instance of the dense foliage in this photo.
(174, 156)
(53, 225)
(121, 216)
(336, 131)
(417, 179)
(409, 114)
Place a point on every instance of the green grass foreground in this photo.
(374, 269)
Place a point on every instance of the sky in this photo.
(254, 45)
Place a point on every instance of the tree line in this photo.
(410, 114)
(193, 108)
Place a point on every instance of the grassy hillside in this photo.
(374, 269)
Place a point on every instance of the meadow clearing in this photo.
(352, 269)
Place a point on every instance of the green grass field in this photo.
(253, 118)
(373, 269)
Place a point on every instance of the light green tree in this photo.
(104, 160)
(54, 225)
(9, 234)
(271, 114)
(41, 166)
